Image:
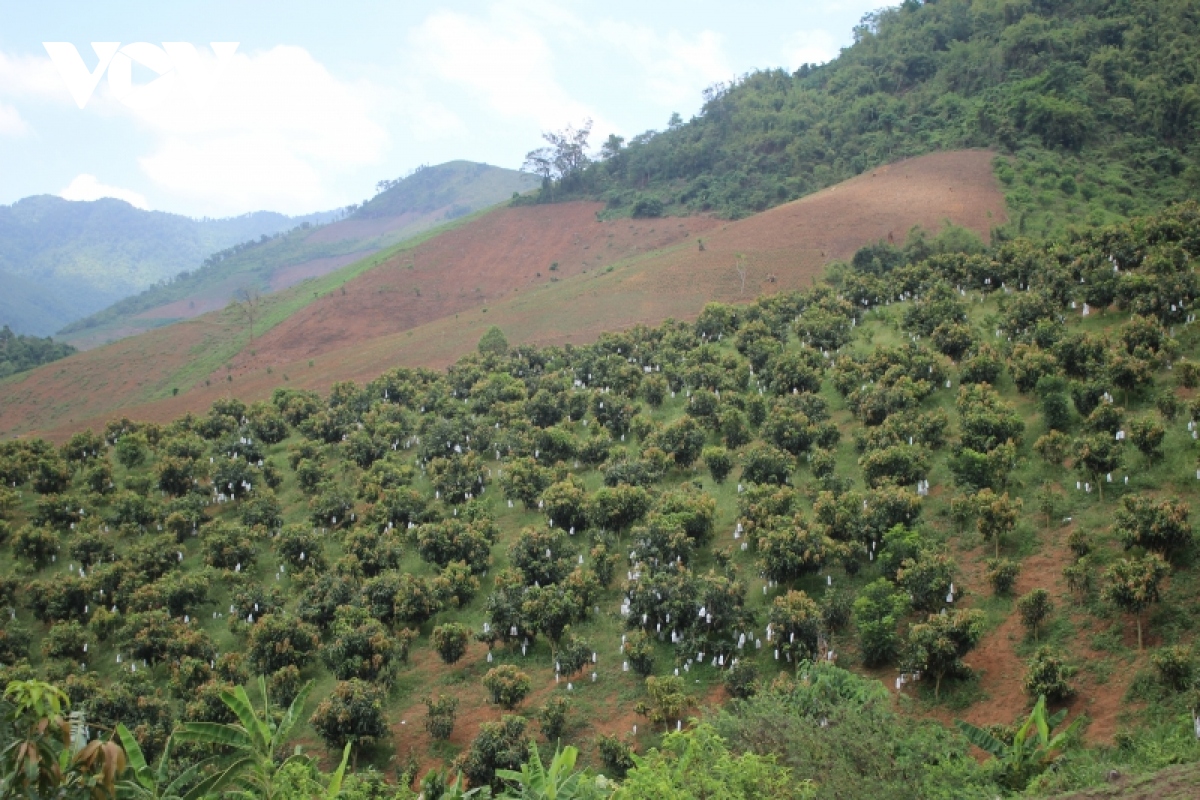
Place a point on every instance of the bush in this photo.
(767, 464)
(1002, 574)
(353, 712)
(439, 717)
(68, 640)
(639, 651)
(1047, 675)
(741, 680)
(1034, 608)
(1080, 542)
(1175, 666)
(719, 462)
(280, 640)
(507, 685)
(616, 754)
(450, 641)
(35, 545)
(499, 745)
(645, 207)
(284, 685)
(553, 717)
(362, 647)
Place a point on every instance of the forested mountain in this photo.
(61, 259)
(1098, 102)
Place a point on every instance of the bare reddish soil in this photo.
(467, 267)
(486, 272)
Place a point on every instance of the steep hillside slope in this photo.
(404, 208)
(61, 260)
(425, 304)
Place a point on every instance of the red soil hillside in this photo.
(430, 304)
(477, 264)
(784, 248)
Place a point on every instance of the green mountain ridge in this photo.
(62, 259)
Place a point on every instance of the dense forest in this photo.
(19, 353)
(1095, 102)
(542, 543)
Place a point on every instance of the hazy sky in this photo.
(321, 100)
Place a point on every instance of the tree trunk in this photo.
(937, 687)
(996, 542)
(1138, 619)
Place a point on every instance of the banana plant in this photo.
(1034, 747)
(254, 739)
(559, 781)
(154, 784)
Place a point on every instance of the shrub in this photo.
(767, 464)
(616, 754)
(361, 647)
(1034, 608)
(35, 545)
(353, 712)
(499, 745)
(1175, 666)
(741, 680)
(1047, 675)
(1002, 574)
(450, 641)
(553, 717)
(285, 684)
(1079, 541)
(719, 462)
(439, 717)
(507, 685)
(280, 640)
(639, 651)
(66, 640)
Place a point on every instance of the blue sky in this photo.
(321, 100)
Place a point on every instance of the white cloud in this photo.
(273, 132)
(88, 187)
(31, 76)
(503, 60)
(810, 47)
(11, 123)
(675, 68)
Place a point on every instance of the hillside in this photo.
(407, 207)
(1096, 99)
(424, 305)
(61, 260)
(926, 491)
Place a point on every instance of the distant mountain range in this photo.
(99, 270)
(61, 260)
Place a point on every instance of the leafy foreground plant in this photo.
(558, 781)
(48, 753)
(256, 742)
(1033, 749)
